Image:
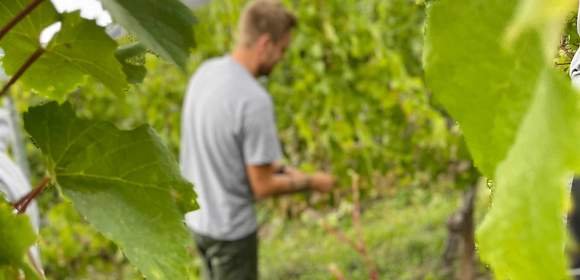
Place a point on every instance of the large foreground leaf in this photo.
(520, 121)
(525, 223)
(126, 184)
(166, 26)
(484, 86)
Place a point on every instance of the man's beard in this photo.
(265, 70)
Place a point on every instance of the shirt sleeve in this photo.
(260, 142)
(575, 66)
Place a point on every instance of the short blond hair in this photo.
(264, 17)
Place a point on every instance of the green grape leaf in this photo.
(166, 27)
(520, 123)
(81, 48)
(484, 86)
(132, 57)
(547, 16)
(125, 183)
(526, 223)
(23, 39)
(27, 32)
(16, 235)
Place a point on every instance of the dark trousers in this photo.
(228, 260)
(574, 216)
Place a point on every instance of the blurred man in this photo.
(229, 144)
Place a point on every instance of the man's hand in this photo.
(322, 182)
(319, 181)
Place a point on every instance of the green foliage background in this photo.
(350, 99)
(349, 94)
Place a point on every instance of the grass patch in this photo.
(405, 235)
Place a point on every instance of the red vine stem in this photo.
(371, 265)
(27, 10)
(358, 245)
(22, 204)
(21, 71)
(356, 210)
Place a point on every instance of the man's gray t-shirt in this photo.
(227, 123)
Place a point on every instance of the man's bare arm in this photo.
(274, 179)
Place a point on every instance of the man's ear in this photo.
(263, 41)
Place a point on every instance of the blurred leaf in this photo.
(520, 123)
(455, 62)
(16, 234)
(132, 58)
(166, 27)
(525, 222)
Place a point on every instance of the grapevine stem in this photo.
(19, 17)
(23, 203)
(21, 71)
